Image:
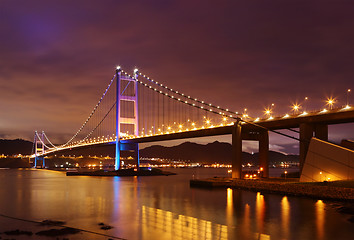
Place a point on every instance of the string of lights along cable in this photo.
(148, 108)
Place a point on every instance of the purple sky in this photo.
(58, 56)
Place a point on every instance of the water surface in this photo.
(162, 207)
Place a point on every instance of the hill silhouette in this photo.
(215, 152)
(16, 146)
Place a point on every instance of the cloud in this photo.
(57, 57)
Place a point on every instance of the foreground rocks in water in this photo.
(18, 232)
(52, 223)
(104, 226)
(346, 210)
(58, 232)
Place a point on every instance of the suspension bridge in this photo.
(136, 109)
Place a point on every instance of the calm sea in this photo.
(161, 207)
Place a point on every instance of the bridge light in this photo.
(348, 91)
(296, 107)
(268, 112)
(118, 68)
(330, 102)
(136, 70)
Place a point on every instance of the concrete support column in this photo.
(321, 131)
(264, 153)
(306, 133)
(237, 150)
(136, 155)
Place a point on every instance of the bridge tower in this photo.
(39, 149)
(122, 98)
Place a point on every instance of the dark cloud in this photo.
(235, 54)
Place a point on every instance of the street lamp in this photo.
(330, 102)
(295, 107)
(245, 115)
(268, 112)
(348, 91)
(305, 104)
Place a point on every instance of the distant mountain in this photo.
(215, 152)
(17, 146)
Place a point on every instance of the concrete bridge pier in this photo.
(307, 131)
(132, 147)
(237, 150)
(260, 135)
(136, 156)
(264, 153)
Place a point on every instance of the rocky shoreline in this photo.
(291, 187)
(52, 229)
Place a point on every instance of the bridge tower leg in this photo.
(237, 150)
(264, 153)
(117, 164)
(39, 149)
(121, 97)
(136, 116)
(136, 151)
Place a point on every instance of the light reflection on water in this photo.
(285, 215)
(320, 214)
(170, 225)
(163, 208)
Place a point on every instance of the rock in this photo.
(51, 222)
(106, 227)
(18, 232)
(58, 232)
(346, 210)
